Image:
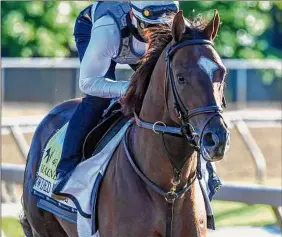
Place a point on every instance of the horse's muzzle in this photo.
(215, 144)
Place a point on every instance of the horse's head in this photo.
(195, 82)
(180, 83)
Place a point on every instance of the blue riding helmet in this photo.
(153, 12)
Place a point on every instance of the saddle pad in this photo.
(83, 184)
(46, 176)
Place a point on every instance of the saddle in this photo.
(111, 122)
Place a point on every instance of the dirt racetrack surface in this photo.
(239, 164)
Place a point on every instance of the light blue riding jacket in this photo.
(106, 44)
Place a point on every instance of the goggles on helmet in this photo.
(155, 12)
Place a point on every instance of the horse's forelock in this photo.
(158, 38)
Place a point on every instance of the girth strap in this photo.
(169, 219)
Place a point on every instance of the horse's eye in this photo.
(181, 79)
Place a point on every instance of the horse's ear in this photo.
(178, 26)
(213, 26)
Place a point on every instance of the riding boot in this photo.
(86, 116)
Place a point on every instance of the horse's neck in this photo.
(150, 155)
(149, 147)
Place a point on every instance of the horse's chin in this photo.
(210, 157)
(217, 158)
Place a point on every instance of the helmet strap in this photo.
(133, 30)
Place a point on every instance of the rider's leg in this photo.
(85, 117)
(87, 113)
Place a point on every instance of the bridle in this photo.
(185, 130)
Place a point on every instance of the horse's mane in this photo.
(159, 36)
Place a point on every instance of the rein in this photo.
(185, 130)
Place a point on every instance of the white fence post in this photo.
(20, 140)
(2, 233)
(2, 91)
(278, 213)
(252, 146)
(242, 88)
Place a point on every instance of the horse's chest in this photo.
(128, 209)
(128, 214)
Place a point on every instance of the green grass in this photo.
(226, 214)
(11, 227)
(241, 214)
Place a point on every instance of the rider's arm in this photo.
(103, 46)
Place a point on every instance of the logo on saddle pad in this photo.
(51, 156)
(48, 170)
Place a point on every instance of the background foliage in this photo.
(44, 29)
(39, 28)
(249, 29)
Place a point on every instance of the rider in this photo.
(106, 33)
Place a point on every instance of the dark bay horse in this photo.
(151, 187)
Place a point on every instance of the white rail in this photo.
(253, 194)
(250, 194)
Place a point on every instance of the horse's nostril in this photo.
(215, 144)
(208, 140)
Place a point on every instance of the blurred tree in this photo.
(246, 27)
(44, 28)
(39, 28)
